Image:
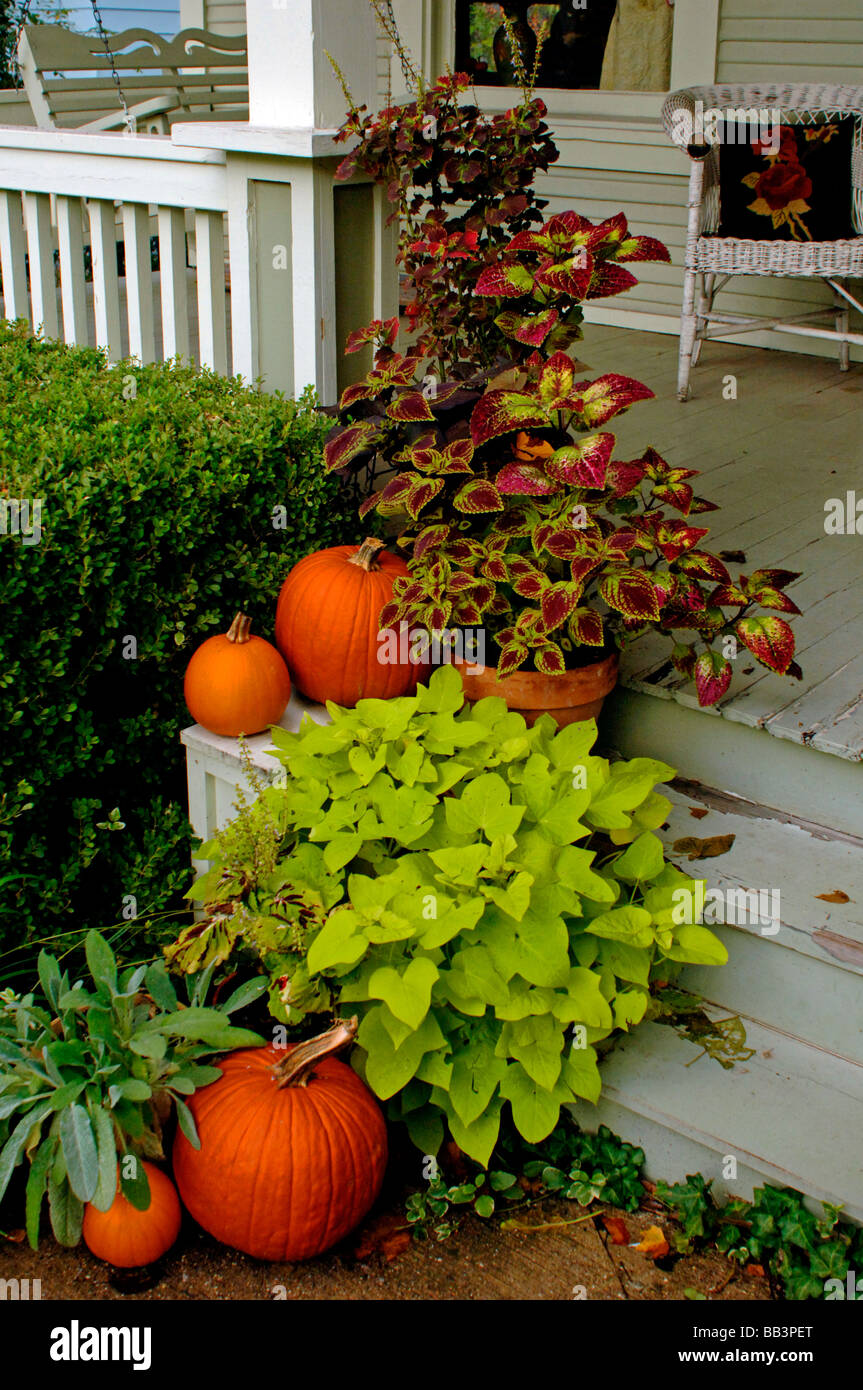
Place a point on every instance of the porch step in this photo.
(806, 978)
(791, 1115)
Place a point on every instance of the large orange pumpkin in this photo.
(126, 1237)
(237, 684)
(327, 625)
(293, 1150)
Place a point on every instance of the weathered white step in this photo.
(791, 1115)
(806, 978)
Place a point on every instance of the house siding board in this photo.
(790, 40)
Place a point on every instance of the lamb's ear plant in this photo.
(491, 899)
(89, 1073)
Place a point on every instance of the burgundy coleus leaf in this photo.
(703, 565)
(585, 463)
(500, 604)
(378, 331)
(360, 391)
(495, 569)
(556, 604)
(435, 535)
(655, 466)
(460, 582)
(410, 406)
(513, 655)
(396, 492)
(549, 659)
(346, 442)
(678, 495)
(777, 579)
(701, 504)
(560, 541)
(728, 595)
(571, 277)
(630, 592)
(525, 480)
(502, 412)
(519, 564)
(609, 279)
(770, 640)
(462, 550)
(585, 627)
(774, 598)
(504, 281)
(368, 505)
(598, 401)
(531, 586)
(556, 381)
(478, 496)
(453, 458)
(582, 566)
(515, 522)
(712, 673)
(530, 329)
(624, 478)
(390, 614)
(607, 236)
(439, 615)
(481, 594)
(673, 538)
(466, 613)
(665, 583)
(620, 542)
(683, 659)
(530, 241)
(641, 248)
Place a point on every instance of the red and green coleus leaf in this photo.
(435, 536)
(478, 496)
(586, 627)
(380, 331)
(776, 579)
(530, 329)
(409, 407)
(770, 640)
(571, 277)
(683, 659)
(453, 458)
(502, 412)
(531, 241)
(702, 565)
(347, 442)
(678, 495)
(495, 569)
(598, 401)
(549, 659)
(556, 381)
(701, 504)
(641, 248)
(729, 595)
(609, 279)
(393, 497)
(513, 655)
(532, 585)
(505, 281)
(557, 603)
(674, 538)
(584, 463)
(525, 480)
(623, 478)
(712, 673)
(631, 592)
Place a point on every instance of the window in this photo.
(622, 45)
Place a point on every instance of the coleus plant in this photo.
(515, 515)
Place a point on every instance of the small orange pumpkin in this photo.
(293, 1149)
(327, 625)
(126, 1237)
(237, 684)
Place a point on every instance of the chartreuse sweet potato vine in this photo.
(489, 898)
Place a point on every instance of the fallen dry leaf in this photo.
(652, 1244)
(757, 1270)
(385, 1235)
(699, 812)
(15, 1237)
(710, 848)
(617, 1229)
(837, 896)
(734, 557)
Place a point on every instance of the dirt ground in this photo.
(480, 1261)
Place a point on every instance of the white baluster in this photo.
(139, 281)
(210, 247)
(73, 288)
(172, 270)
(40, 249)
(13, 248)
(106, 288)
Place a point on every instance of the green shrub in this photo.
(489, 898)
(158, 487)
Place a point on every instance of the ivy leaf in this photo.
(484, 805)
(642, 861)
(630, 924)
(337, 943)
(407, 994)
(535, 1110)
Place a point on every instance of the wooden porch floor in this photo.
(771, 459)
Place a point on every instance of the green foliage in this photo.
(586, 1168)
(158, 486)
(799, 1250)
(92, 1070)
(489, 898)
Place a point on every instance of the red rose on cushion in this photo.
(787, 145)
(782, 184)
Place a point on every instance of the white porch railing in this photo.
(250, 229)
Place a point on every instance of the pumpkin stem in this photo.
(366, 556)
(239, 630)
(296, 1068)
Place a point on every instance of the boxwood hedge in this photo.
(169, 498)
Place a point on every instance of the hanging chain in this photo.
(129, 118)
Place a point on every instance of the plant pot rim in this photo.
(535, 690)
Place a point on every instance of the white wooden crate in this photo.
(214, 769)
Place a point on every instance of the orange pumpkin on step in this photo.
(327, 625)
(293, 1149)
(237, 684)
(126, 1237)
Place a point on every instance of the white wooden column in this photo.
(291, 81)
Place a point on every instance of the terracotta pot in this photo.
(569, 699)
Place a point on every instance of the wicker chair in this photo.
(713, 260)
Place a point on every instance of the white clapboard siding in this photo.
(217, 16)
(791, 40)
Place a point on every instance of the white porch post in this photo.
(287, 327)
